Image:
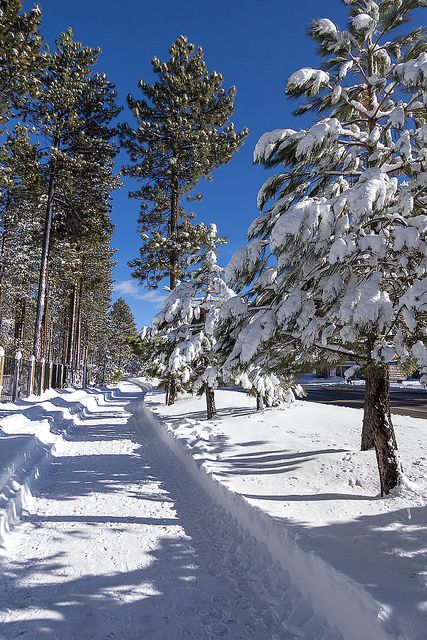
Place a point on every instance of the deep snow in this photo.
(302, 486)
(150, 522)
(119, 541)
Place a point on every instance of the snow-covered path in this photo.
(121, 543)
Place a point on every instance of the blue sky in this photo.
(255, 45)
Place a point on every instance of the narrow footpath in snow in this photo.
(120, 542)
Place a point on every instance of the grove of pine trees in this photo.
(56, 177)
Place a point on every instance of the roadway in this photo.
(411, 402)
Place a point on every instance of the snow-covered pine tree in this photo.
(183, 133)
(347, 226)
(123, 329)
(187, 322)
(241, 323)
(210, 293)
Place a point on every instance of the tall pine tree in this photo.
(183, 134)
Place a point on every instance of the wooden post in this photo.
(43, 363)
(49, 381)
(16, 389)
(32, 359)
(1, 370)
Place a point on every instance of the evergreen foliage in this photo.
(19, 55)
(183, 134)
(123, 331)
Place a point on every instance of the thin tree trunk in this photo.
(259, 402)
(45, 333)
(43, 277)
(173, 232)
(171, 392)
(210, 403)
(3, 259)
(379, 423)
(71, 326)
(21, 309)
(78, 332)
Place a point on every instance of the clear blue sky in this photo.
(255, 45)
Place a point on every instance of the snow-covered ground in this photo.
(118, 541)
(254, 525)
(297, 482)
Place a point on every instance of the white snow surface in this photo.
(128, 521)
(295, 479)
(118, 541)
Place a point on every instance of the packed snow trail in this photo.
(120, 542)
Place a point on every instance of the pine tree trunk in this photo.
(3, 260)
(43, 276)
(379, 424)
(21, 310)
(259, 402)
(78, 331)
(367, 441)
(171, 392)
(210, 403)
(71, 326)
(173, 232)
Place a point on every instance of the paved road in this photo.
(407, 403)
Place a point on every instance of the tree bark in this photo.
(43, 277)
(379, 424)
(78, 331)
(71, 326)
(367, 441)
(21, 309)
(173, 231)
(210, 403)
(259, 402)
(171, 392)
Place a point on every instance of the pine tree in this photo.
(20, 43)
(347, 226)
(123, 329)
(72, 113)
(182, 135)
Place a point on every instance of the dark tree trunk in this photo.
(71, 326)
(21, 309)
(210, 403)
(173, 232)
(380, 426)
(78, 331)
(259, 402)
(171, 392)
(367, 441)
(43, 276)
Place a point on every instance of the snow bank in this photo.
(31, 431)
(295, 480)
